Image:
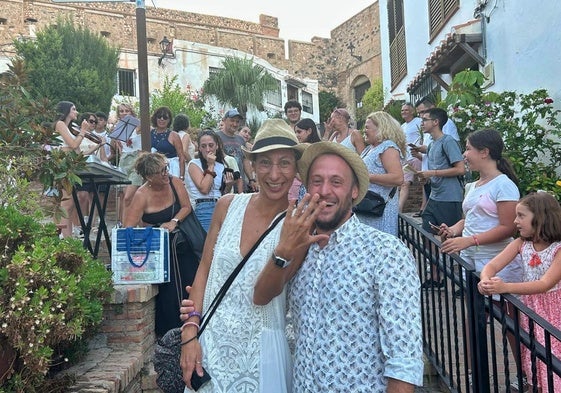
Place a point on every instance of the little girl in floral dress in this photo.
(538, 219)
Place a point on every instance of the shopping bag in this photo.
(140, 255)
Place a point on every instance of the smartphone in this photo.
(197, 382)
(412, 145)
(435, 227)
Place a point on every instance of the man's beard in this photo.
(338, 218)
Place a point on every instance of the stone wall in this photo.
(326, 59)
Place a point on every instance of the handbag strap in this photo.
(129, 235)
(392, 193)
(222, 292)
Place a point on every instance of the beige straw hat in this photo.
(356, 163)
(274, 134)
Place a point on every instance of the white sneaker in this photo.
(525, 386)
(77, 232)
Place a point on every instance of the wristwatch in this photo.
(176, 220)
(280, 261)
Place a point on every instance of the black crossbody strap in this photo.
(222, 292)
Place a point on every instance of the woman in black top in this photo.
(162, 201)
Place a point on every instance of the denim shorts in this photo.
(204, 211)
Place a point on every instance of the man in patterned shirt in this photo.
(354, 299)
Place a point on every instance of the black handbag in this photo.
(167, 352)
(193, 233)
(373, 204)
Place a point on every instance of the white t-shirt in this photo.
(136, 144)
(192, 189)
(413, 134)
(481, 212)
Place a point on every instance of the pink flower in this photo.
(548, 100)
(535, 260)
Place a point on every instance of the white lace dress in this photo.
(244, 346)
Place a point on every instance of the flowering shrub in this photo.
(52, 294)
(529, 124)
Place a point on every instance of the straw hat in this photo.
(274, 134)
(358, 166)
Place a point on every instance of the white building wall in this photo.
(191, 65)
(521, 39)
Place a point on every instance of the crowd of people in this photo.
(345, 278)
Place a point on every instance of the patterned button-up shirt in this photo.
(356, 313)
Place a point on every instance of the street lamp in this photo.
(165, 46)
(351, 47)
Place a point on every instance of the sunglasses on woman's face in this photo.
(163, 117)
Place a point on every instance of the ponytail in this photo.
(505, 167)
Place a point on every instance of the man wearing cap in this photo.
(355, 298)
(233, 143)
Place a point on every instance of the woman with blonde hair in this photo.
(383, 157)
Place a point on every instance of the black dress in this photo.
(183, 267)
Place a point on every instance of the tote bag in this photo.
(140, 255)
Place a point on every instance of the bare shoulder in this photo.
(224, 202)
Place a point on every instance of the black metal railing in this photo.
(477, 343)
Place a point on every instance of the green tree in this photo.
(327, 101)
(528, 123)
(373, 100)
(240, 84)
(71, 63)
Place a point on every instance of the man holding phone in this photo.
(445, 164)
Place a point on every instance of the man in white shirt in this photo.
(414, 137)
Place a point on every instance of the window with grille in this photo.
(214, 70)
(291, 93)
(398, 54)
(307, 102)
(360, 90)
(440, 11)
(274, 97)
(127, 82)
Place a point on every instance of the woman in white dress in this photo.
(244, 347)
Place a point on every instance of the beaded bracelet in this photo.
(209, 172)
(189, 323)
(194, 314)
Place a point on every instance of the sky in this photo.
(298, 19)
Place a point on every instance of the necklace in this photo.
(159, 137)
(486, 179)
